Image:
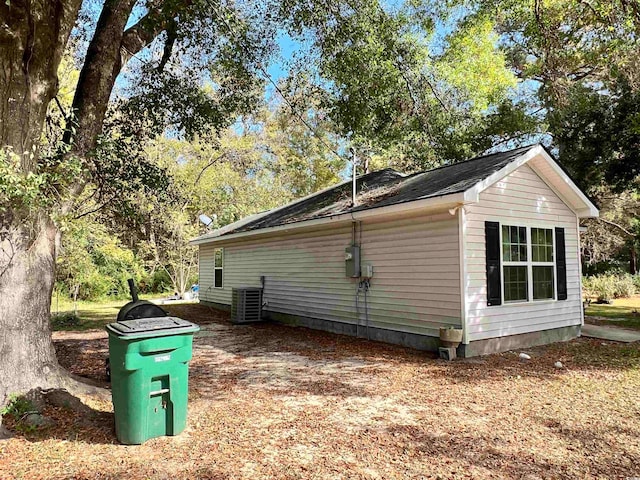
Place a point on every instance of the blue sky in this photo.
(288, 47)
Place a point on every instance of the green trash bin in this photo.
(150, 376)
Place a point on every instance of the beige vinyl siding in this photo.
(415, 287)
(524, 199)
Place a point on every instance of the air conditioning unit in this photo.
(246, 305)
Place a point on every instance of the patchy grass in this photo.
(269, 401)
(624, 312)
(91, 315)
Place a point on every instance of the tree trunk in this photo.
(26, 284)
(33, 35)
(633, 260)
(98, 76)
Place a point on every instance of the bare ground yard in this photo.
(269, 401)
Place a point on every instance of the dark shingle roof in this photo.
(386, 187)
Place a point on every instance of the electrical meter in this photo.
(352, 261)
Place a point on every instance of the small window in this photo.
(528, 263)
(218, 267)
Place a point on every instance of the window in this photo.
(528, 263)
(514, 256)
(217, 267)
(542, 263)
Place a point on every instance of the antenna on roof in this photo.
(354, 168)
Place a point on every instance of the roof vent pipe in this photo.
(354, 168)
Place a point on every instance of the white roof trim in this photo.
(586, 210)
(589, 210)
(472, 195)
(481, 186)
(433, 203)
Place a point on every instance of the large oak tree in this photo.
(37, 190)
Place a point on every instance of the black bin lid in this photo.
(151, 327)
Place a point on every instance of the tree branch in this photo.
(65, 115)
(94, 210)
(210, 164)
(410, 91)
(435, 94)
(593, 10)
(168, 46)
(619, 227)
(634, 9)
(138, 36)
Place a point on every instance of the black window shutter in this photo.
(494, 283)
(561, 264)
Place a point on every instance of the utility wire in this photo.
(265, 74)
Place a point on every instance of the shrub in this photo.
(17, 406)
(94, 286)
(160, 281)
(599, 287)
(588, 288)
(64, 320)
(624, 286)
(604, 288)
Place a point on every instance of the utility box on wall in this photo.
(352, 261)
(367, 271)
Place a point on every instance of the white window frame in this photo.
(221, 268)
(529, 264)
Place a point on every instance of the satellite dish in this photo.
(206, 220)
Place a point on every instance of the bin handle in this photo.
(158, 392)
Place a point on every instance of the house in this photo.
(489, 245)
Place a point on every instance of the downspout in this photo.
(580, 274)
(462, 255)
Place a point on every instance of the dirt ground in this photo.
(269, 401)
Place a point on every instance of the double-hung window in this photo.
(514, 257)
(218, 255)
(542, 265)
(528, 263)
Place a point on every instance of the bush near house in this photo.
(604, 288)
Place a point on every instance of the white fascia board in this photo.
(442, 202)
(243, 221)
(589, 210)
(586, 211)
(481, 186)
